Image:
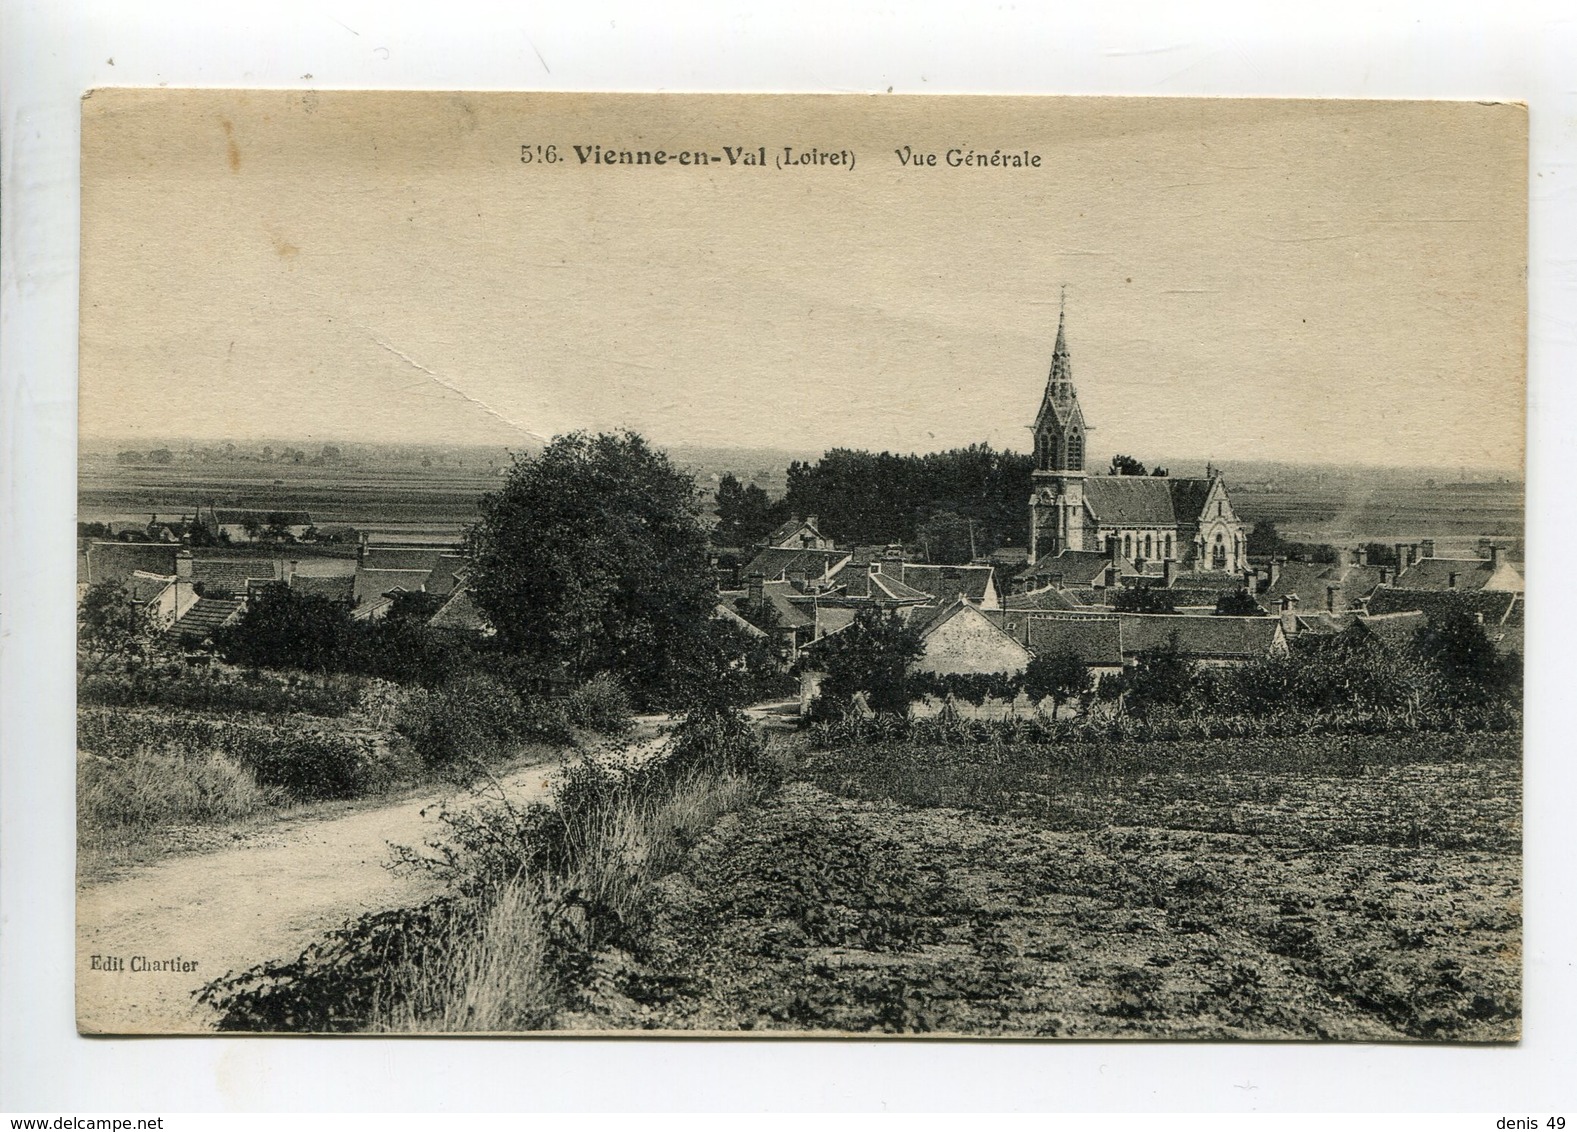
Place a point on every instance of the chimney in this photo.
(1275, 570)
(1289, 613)
(1168, 573)
(290, 571)
(874, 566)
(1494, 556)
(1385, 575)
(1428, 545)
(758, 589)
(1330, 599)
(183, 565)
(1361, 556)
(797, 579)
(1451, 580)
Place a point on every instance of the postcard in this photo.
(676, 564)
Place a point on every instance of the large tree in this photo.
(592, 558)
(745, 513)
(873, 655)
(112, 630)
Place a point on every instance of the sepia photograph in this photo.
(763, 565)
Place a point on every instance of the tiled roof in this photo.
(447, 573)
(233, 572)
(1305, 579)
(1188, 497)
(1435, 574)
(461, 614)
(1208, 637)
(376, 583)
(372, 609)
(1094, 640)
(1050, 598)
(775, 563)
(791, 614)
(859, 582)
(1217, 581)
(145, 587)
(1131, 501)
(401, 558)
(1495, 605)
(117, 561)
(341, 587)
(1392, 628)
(946, 582)
(1076, 567)
(208, 614)
(724, 611)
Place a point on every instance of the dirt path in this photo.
(146, 941)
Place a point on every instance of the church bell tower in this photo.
(1056, 508)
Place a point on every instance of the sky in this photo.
(1336, 282)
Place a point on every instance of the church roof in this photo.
(1130, 501)
(1188, 497)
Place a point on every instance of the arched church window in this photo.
(1169, 546)
(1218, 556)
(1147, 553)
(1076, 452)
(1127, 546)
(1051, 452)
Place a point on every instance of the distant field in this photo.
(1390, 513)
(1359, 889)
(442, 499)
(436, 499)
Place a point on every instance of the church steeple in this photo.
(1057, 506)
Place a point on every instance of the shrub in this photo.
(600, 704)
(476, 719)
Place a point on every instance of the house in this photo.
(206, 617)
(337, 588)
(960, 637)
(799, 534)
(167, 598)
(1494, 574)
(880, 583)
(1084, 569)
(1391, 629)
(1209, 640)
(1492, 607)
(383, 569)
(462, 616)
(779, 564)
(1097, 641)
(105, 560)
(240, 524)
(231, 576)
(1152, 518)
(975, 584)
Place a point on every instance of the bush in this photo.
(600, 704)
(476, 719)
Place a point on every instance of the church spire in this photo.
(1059, 385)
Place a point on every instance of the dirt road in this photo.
(147, 941)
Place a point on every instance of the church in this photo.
(1148, 520)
